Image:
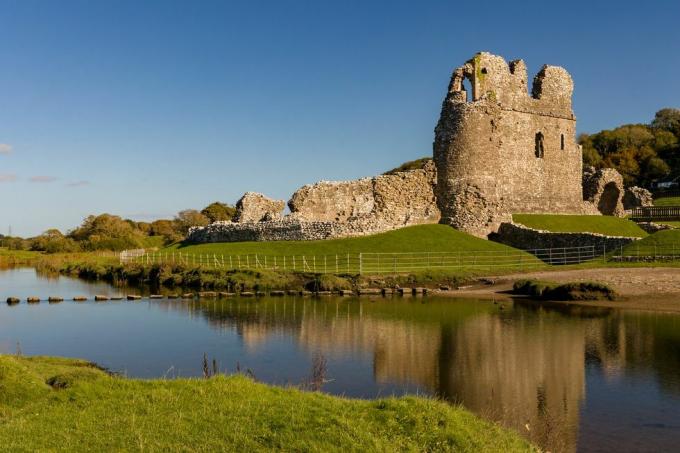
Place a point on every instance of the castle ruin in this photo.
(500, 150)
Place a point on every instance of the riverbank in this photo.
(48, 403)
(639, 288)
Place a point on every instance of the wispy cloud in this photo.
(42, 178)
(5, 148)
(8, 177)
(78, 183)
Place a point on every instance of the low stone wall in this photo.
(521, 237)
(286, 229)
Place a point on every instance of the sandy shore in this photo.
(644, 288)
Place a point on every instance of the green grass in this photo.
(421, 238)
(86, 410)
(667, 201)
(612, 226)
(664, 238)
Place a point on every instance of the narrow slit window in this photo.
(562, 142)
(539, 146)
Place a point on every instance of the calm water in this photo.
(594, 380)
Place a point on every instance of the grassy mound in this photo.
(667, 201)
(611, 226)
(661, 240)
(538, 289)
(420, 238)
(410, 165)
(86, 409)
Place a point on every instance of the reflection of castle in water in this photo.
(523, 367)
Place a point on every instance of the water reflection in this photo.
(568, 378)
(524, 366)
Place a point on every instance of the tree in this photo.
(189, 218)
(165, 228)
(668, 119)
(107, 232)
(219, 211)
(53, 241)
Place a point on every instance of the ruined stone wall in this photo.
(603, 189)
(507, 150)
(395, 200)
(327, 210)
(521, 237)
(255, 207)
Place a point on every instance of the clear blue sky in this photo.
(145, 108)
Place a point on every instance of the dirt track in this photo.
(647, 288)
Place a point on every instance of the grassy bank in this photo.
(60, 404)
(611, 226)
(420, 238)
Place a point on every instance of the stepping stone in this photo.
(55, 299)
(13, 300)
(133, 297)
(156, 296)
(80, 299)
(33, 300)
(101, 298)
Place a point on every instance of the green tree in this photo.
(668, 119)
(189, 218)
(219, 211)
(107, 232)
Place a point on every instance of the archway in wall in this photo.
(609, 199)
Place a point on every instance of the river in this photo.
(569, 379)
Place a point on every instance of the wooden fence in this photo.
(655, 213)
(374, 263)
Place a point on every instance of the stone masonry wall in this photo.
(514, 152)
(328, 210)
(521, 237)
(255, 207)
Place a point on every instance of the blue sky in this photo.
(144, 108)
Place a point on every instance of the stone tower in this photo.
(501, 150)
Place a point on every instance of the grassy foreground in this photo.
(68, 405)
(609, 225)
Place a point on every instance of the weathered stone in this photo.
(255, 207)
(651, 227)
(522, 237)
(377, 204)
(603, 189)
(338, 209)
(500, 151)
(635, 197)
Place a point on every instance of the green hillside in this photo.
(662, 239)
(420, 238)
(612, 226)
(667, 201)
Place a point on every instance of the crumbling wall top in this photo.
(494, 80)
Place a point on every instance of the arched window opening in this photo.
(562, 142)
(539, 145)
